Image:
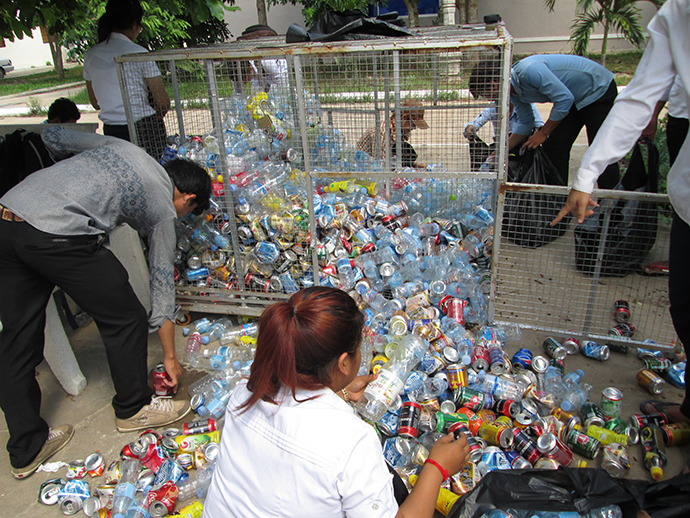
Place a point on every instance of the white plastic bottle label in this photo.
(384, 388)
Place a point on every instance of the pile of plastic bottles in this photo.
(438, 224)
(155, 475)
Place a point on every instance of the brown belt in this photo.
(8, 215)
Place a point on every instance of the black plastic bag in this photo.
(565, 489)
(348, 25)
(21, 154)
(633, 225)
(479, 152)
(527, 215)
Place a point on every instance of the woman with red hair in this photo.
(292, 446)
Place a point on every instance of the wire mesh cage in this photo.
(576, 283)
(270, 122)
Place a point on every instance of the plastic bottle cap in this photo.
(567, 406)
(657, 473)
(205, 339)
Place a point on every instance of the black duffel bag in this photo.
(527, 215)
(632, 228)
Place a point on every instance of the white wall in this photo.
(279, 17)
(27, 52)
(535, 29)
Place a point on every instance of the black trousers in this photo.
(679, 292)
(117, 130)
(32, 263)
(676, 131)
(152, 135)
(561, 140)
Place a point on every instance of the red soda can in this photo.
(621, 311)
(200, 426)
(480, 358)
(152, 457)
(131, 451)
(162, 501)
(625, 330)
(455, 309)
(159, 376)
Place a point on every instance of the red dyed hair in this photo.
(301, 340)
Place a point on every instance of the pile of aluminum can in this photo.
(172, 472)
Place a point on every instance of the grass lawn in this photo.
(14, 85)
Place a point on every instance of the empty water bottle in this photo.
(125, 490)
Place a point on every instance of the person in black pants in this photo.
(52, 228)
(582, 93)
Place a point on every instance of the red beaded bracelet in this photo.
(444, 472)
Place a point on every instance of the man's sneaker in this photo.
(160, 412)
(57, 439)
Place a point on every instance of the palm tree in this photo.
(622, 16)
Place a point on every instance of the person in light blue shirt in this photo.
(582, 93)
(491, 114)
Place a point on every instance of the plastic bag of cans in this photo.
(151, 477)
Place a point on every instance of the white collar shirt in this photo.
(100, 69)
(666, 55)
(312, 458)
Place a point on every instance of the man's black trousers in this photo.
(32, 263)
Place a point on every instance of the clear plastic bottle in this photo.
(125, 490)
(575, 397)
(553, 383)
(500, 387)
(139, 506)
(610, 511)
(192, 347)
(346, 274)
(380, 393)
(232, 333)
(197, 486)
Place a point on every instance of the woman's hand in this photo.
(356, 388)
(452, 454)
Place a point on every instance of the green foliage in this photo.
(621, 16)
(36, 109)
(18, 84)
(166, 23)
(315, 9)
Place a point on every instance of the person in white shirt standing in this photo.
(667, 55)
(117, 30)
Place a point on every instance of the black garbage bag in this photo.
(669, 498)
(479, 152)
(565, 489)
(348, 25)
(527, 215)
(633, 225)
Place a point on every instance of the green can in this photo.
(469, 398)
(616, 425)
(553, 348)
(582, 444)
(611, 400)
(591, 414)
(444, 421)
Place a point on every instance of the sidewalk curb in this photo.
(31, 93)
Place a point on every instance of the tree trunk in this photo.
(604, 44)
(261, 12)
(412, 12)
(56, 51)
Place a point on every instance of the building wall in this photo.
(279, 17)
(536, 30)
(27, 52)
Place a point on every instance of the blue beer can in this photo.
(267, 252)
(594, 350)
(522, 359)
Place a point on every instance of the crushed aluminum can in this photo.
(131, 451)
(72, 495)
(170, 471)
(185, 461)
(49, 490)
(162, 500)
(112, 474)
(76, 469)
(91, 506)
(105, 494)
(145, 478)
(152, 457)
(94, 464)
